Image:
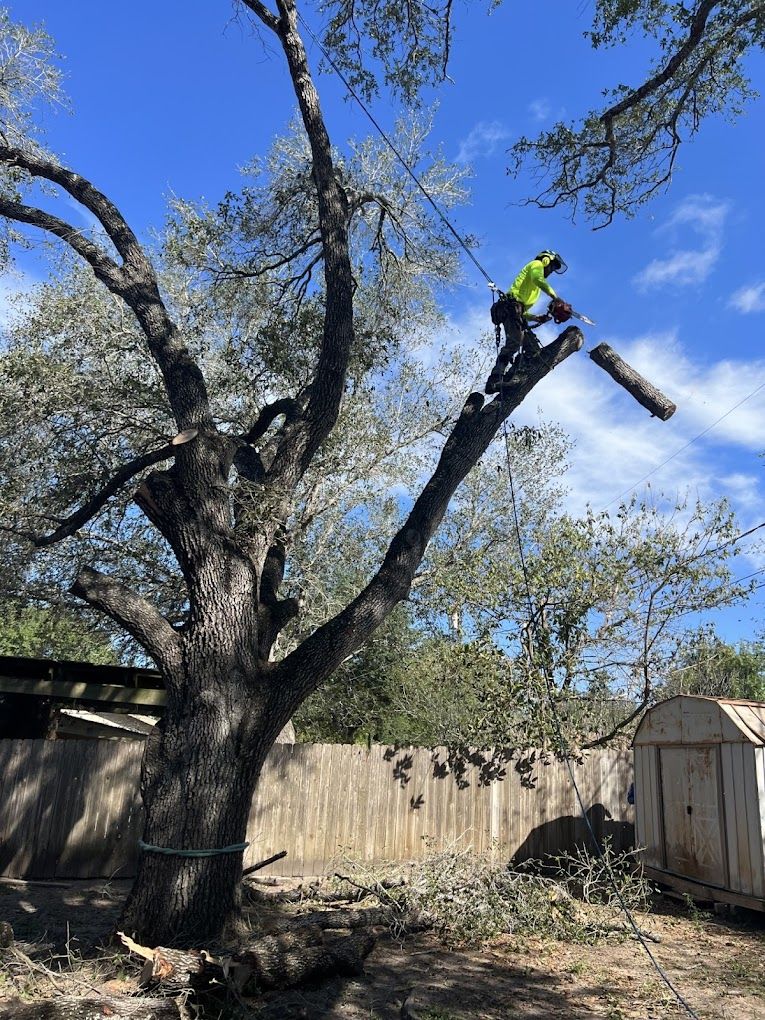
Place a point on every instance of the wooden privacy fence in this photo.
(70, 808)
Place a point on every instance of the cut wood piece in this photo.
(65, 1007)
(265, 863)
(273, 961)
(184, 437)
(646, 394)
(280, 961)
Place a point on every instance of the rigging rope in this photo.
(565, 751)
(532, 622)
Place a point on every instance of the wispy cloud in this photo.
(749, 299)
(687, 265)
(482, 141)
(540, 109)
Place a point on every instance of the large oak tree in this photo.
(222, 497)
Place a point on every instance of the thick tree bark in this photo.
(198, 778)
(644, 392)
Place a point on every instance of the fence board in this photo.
(71, 809)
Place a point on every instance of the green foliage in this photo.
(616, 158)
(53, 634)
(469, 899)
(709, 666)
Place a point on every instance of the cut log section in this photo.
(272, 961)
(654, 400)
(65, 1007)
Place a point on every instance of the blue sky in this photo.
(171, 97)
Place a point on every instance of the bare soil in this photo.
(716, 962)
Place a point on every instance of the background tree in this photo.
(711, 667)
(615, 159)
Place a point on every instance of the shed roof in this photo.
(691, 719)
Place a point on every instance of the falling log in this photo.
(66, 1007)
(654, 400)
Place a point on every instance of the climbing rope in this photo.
(150, 848)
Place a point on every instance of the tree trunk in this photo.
(198, 777)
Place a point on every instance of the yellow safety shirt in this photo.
(528, 283)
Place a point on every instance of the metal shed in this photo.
(700, 797)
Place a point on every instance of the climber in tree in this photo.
(513, 311)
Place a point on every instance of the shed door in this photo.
(693, 821)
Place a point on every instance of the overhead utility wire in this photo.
(395, 151)
(685, 447)
(445, 221)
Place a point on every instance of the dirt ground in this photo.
(716, 962)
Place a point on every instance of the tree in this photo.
(616, 158)
(711, 667)
(224, 499)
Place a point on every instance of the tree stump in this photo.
(644, 392)
(65, 1007)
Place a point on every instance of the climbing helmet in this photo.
(553, 259)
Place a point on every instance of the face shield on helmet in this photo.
(553, 260)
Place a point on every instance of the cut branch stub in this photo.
(644, 392)
(184, 437)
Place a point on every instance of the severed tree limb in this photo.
(77, 520)
(643, 391)
(264, 864)
(139, 618)
(276, 960)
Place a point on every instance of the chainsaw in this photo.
(561, 311)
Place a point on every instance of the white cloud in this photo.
(540, 109)
(749, 299)
(482, 141)
(686, 266)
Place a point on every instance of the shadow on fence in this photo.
(71, 809)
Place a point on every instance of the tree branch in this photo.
(138, 617)
(302, 440)
(110, 218)
(75, 521)
(320, 654)
(105, 269)
(135, 281)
